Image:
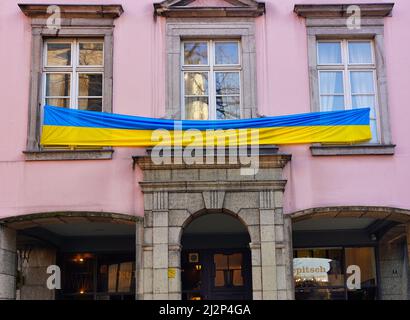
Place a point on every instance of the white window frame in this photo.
(74, 69)
(211, 68)
(346, 68)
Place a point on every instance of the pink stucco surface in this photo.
(139, 89)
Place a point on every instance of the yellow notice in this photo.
(171, 273)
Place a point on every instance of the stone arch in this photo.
(375, 212)
(33, 219)
(203, 212)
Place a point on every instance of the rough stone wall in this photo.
(7, 263)
(34, 272)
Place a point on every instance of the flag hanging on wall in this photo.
(68, 127)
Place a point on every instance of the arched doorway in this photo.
(95, 253)
(216, 259)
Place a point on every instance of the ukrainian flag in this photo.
(68, 127)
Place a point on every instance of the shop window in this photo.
(321, 273)
(88, 276)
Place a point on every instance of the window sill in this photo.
(357, 150)
(44, 155)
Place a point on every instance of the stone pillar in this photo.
(268, 245)
(160, 245)
(139, 274)
(8, 265)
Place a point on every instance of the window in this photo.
(211, 75)
(347, 78)
(228, 270)
(73, 72)
(349, 64)
(76, 64)
(90, 276)
(321, 273)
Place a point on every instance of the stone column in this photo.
(160, 245)
(268, 245)
(139, 274)
(8, 265)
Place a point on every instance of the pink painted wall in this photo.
(139, 88)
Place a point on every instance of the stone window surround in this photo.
(329, 22)
(178, 30)
(91, 21)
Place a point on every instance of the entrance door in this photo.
(216, 274)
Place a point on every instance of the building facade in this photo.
(115, 225)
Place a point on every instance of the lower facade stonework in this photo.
(175, 196)
(7, 263)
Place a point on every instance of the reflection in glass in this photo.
(58, 102)
(90, 104)
(332, 103)
(365, 259)
(196, 108)
(227, 83)
(360, 52)
(90, 84)
(196, 83)
(227, 107)
(226, 53)
(91, 53)
(320, 274)
(58, 84)
(329, 53)
(58, 54)
(195, 53)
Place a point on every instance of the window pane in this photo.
(196, 83)
(235, 261)
(331, 82)
(58, 54)
(316, 272)
(58, 84)
(364, 102)
(227, 108)
(125, 277)
(332, 103)
(360, 52)
(58, 102)
(226, 53)
(373, 128)
(90, 104)
(364, 258)
(329, 53)
(237, 278)
(362, 81)
(221, 261)
(219, 278)
(195, 53)
(91, 53)
(227, 83)
(90, 84)
(196, 108)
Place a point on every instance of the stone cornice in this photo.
(199, 186)
(181, 9)
(69, 11)
(375, 10)
(277, 160)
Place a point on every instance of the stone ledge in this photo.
(48, 155)
(359, 150)
(181, 9)
(340, 10)
(111, 11)
(199, 186)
